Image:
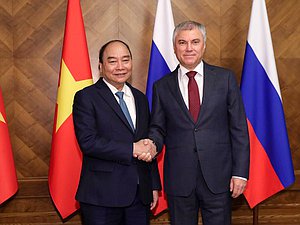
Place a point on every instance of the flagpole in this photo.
(255, 215)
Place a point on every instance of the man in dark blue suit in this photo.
(198, 114)
(119, 180)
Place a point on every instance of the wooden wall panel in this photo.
(31, 35)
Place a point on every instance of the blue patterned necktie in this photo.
(124, 108)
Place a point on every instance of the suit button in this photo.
(195, 149)
(196, 129)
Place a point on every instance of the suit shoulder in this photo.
(138, 93)
(86, 90)
(218, 69)
(165, 79)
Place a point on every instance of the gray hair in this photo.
(189, 25)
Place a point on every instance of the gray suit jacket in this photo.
(218, 140)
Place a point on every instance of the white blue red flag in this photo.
(162, 62)
(271, 167)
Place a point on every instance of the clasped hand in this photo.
(144, 150)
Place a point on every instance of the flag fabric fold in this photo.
(75, 74)
(271, 168)
(162, 62)
(8, 177)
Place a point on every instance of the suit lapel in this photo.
(138, 107)
(106, 94)
(208, 87)
(174, 87)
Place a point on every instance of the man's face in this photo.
(189, 48)
(117, 64)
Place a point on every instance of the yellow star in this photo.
(65, 94)
(2, 118)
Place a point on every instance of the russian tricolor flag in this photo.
(162, 62)
(271, 168)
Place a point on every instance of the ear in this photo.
(100, 67)
(204, 48)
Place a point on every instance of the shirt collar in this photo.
(125, 89)
(199, 69)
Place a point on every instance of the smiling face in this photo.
(189, 47)
(116, 67)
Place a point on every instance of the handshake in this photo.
(144, 150)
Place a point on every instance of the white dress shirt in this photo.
(128, 98)
(183, 81)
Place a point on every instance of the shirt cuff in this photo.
(242, 178)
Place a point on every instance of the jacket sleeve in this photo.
(238, 130)
(157, 128)
(91, 142)
(156, 184)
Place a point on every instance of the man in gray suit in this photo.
(198, 114)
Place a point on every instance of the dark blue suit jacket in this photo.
(109, 173)
(218, 140)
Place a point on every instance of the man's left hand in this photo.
(155, 199)
(237, 187)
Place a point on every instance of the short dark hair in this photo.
(102, 49)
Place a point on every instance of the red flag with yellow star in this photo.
(75, 74)
(8, 178)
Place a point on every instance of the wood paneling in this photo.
(31, 33)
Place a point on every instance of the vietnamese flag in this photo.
(8, 178)
(75, 74)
